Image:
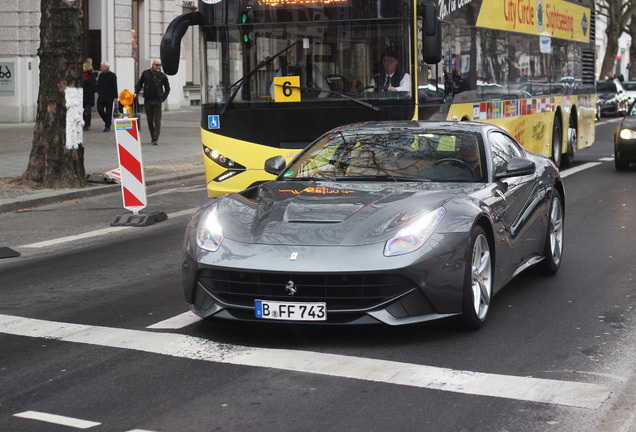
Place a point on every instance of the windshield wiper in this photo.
(396, 179)
(238, 84)
(343, 95)
(301, 179)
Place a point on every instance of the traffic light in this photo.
(246, 29)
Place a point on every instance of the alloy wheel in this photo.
(481, 277)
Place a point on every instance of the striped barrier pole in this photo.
(133, 184)
(131, 173)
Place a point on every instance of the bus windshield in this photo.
(329, 58)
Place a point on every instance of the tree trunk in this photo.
(57, 161)
(632, 48)
(610, 58)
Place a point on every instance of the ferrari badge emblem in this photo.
(293, 256)
(291, 288)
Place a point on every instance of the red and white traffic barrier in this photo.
(133, 184)
(131, 176)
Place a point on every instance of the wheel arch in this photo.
(561, 189)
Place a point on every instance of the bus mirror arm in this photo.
(171, 42)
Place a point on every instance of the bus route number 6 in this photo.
(286, 89)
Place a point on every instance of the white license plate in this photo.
(295, 311)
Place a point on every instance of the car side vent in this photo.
(587, 64)
(592, 25)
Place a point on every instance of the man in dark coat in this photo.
(106, 94)
(156, 89)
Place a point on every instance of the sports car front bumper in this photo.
(359, 284)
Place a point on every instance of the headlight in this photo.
(415, 234)
(209, 232)
(627, 134)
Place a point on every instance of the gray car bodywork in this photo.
(340, 229)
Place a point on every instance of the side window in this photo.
(502, 149)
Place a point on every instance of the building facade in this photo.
(125, 33)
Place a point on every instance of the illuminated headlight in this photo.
(220, 159)
(627, 134)
(209, 233)
(415, 234)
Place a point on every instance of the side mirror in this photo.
(275, 165)
(431, 34)
(518, 167)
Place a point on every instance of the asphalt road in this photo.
(93, 328)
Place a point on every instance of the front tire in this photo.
(557, 141)
(568, 157)
(477, 281)
(553, 249)
(619, 163)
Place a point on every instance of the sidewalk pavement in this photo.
(178, 155)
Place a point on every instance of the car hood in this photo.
(606, 96)
(628, 122)
(323, 213)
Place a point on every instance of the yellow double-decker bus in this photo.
(275, 74)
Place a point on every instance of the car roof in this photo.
(421, 126)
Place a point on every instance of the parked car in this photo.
(630, 90)
(625, 140)
(393, 222)
(614, 100)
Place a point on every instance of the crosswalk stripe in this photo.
(57, 419)
(575, 394)
(177, 322)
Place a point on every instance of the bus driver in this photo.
(391, 78)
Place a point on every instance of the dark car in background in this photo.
(614, 99)
(625, 140)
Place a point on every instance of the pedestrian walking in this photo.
(106, 94)
(90, 86)
(155, 90)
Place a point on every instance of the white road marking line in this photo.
(177, 322)
(57, 419)
(607, 159)
(72, 238)
(96, 233)
(574, 170)
(181, 189)
(574, 394)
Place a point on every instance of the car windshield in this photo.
(392, 155)
(631, 86)
(606, 87)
